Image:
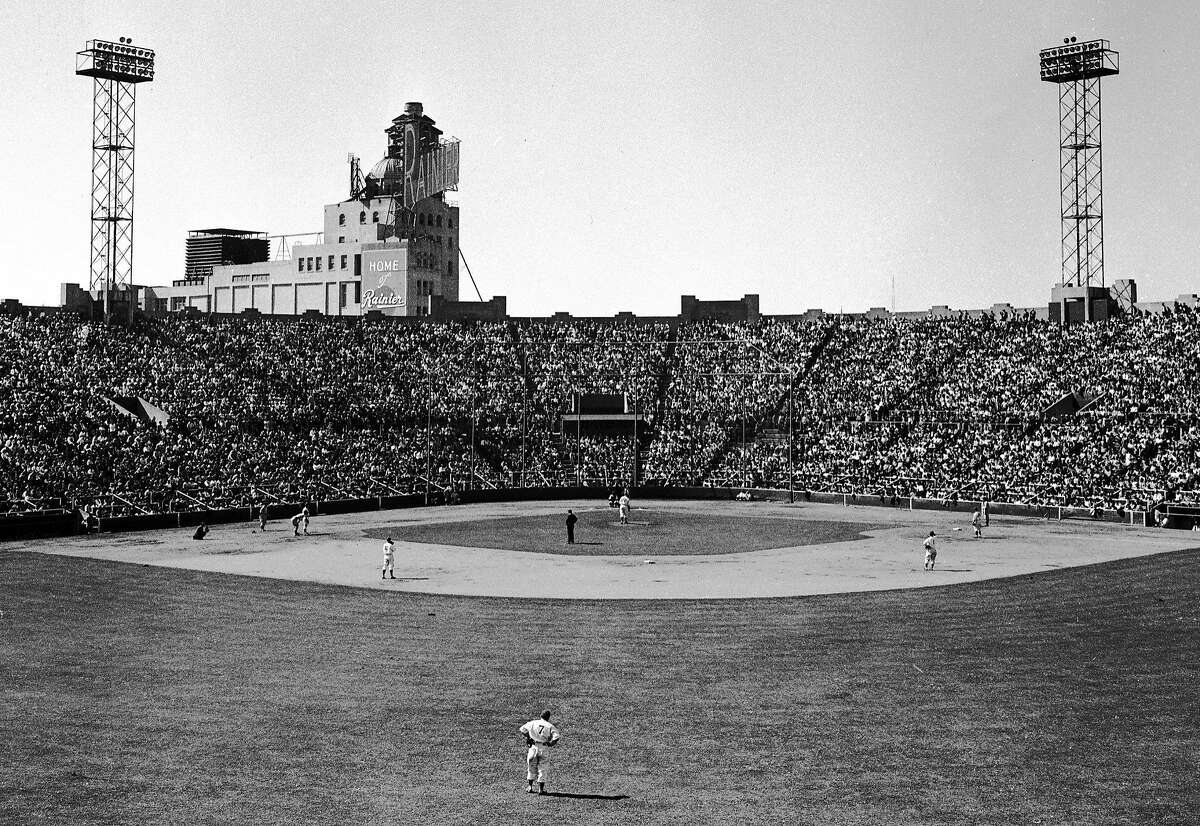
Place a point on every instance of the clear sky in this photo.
(616, 155)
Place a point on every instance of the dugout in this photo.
(1179, 517)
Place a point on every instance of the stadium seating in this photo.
(270, 409)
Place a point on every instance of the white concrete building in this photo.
(375, 252)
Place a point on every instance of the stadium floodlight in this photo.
(116, 61)
(1077, 69)
(1078, 61)
(115, 69)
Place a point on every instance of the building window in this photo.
(299, 265)
(357, 299)
(362, 217)
(450, 223)
(421, 219)
(342, 220)
(374, 217)
(342, 295)
(343, 262)
(439, 220)
(177, 303)
(449, 268)
(341, 239)
(331, 262)
(318, 263)
(450, 242)
(308, 264)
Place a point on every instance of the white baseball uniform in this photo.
(544, 735)
(624, 503)
(389, 558)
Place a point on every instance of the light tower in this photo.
(116, 69)
(1077, 69)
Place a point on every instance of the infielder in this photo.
(389, 559)
(930, 551)
(623, 503)
(540, 735)
(977, 524)
(299, 518)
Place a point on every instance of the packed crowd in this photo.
(248, 410)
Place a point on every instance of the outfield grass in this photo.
(150, 695)
(650, 532)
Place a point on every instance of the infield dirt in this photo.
(880, 549)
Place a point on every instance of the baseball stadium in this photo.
(832, 568)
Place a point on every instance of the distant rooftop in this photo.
(236, 233)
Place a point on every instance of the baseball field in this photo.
(709, 663)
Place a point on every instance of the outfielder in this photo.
(540, 735)
(389, 559)
(930, 551)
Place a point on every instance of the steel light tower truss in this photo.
(1077, 69)
(115, 69)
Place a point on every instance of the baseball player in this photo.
(264, 513)
(298, 519)
(571, 520)
(930, 551)
(540, 736)
(977, 524)
(389, 559)
(623, 503)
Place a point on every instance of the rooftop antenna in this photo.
(356, 178)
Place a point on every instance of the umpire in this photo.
(571, 520)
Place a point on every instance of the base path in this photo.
(344, 550)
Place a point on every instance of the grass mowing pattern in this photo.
(651, 532)
(146, 695)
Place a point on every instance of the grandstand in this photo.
(1101, 418)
